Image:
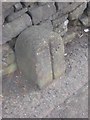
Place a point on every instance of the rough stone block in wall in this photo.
(41, 3)
(61, 28)
(15, 15)
(29, 4)
(42, 13)
(66, 7)
(18, 6)
(88, 9)
(14, 28)
(7, 8)
(77, 12)
(8, 60)
(34, 55)
(84, 20)
(60, 20)
(47, 24)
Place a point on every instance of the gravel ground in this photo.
(59, 99)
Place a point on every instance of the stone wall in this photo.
(56, 17)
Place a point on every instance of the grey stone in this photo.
(30, 4)
(14, 28)
(18, 6)
(33, 53)
(62, 28)
(88, 9)
(60, 20)
(8, 60)
(36, 62)
(69, 36)
(42, 3)
(7, 8)
(16, 15)
(77, 12)
(42, 13)
(47, 24)
(66, 7)
(85, 20)
(27, 3)
(2, 19)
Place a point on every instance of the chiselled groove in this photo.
(51, 55)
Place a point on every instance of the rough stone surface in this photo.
(28, 4)
(8, 60)
(14, 28)
(67, 7)
(47, 24)
(37, 49)
(69, 36)
(60, 20)
(62, 28)
(15, 15)
(7, 8)
(84, 20)
(77, 12)
(18, 6)
(42, 13)
(42, 3)
(88, 9)
(57, 54)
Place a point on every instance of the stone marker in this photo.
(40, 55)
(14, 28)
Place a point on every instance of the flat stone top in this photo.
(38, 36)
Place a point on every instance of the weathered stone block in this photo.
(69, 36)
(88, 9)
(8, 60)
(42, 3)
(77, 12)
(14, 28)
(7, 8)
(34, 50)
(62, 28)
(84, 20)
(66, 7)
(60, 20)
(18, 6)
(16, 14)
(28, 4)
(47, 24)
(42, 13)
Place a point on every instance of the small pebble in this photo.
(86, 30)
(65, 54)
